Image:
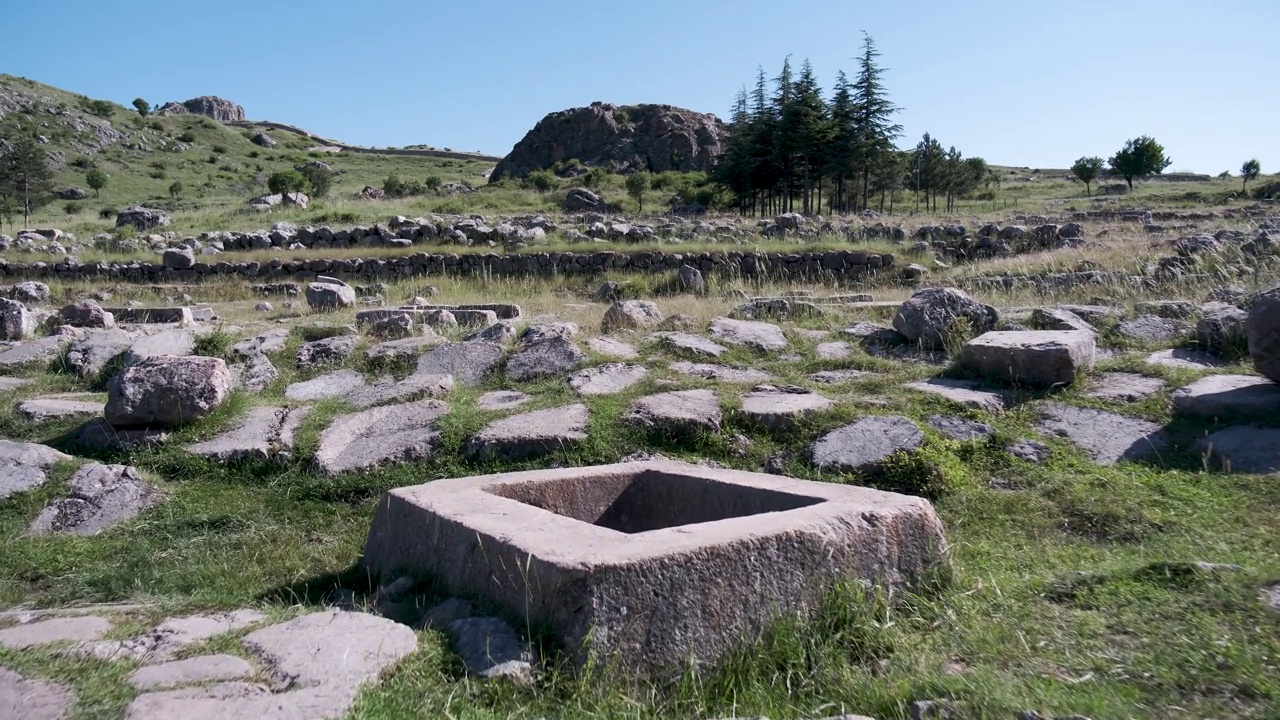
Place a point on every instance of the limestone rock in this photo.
(682, 411)
(394, 433)
(15, 322)
(403, 350)
(836, 377)
(170, 391)
(174, 342)
(549, 331)
(413, 387)
(530, 434)
(1106, 438)
(1222, 331)
(1244, 449)
(86, 314)
(1058, 319)
(169, 638)
(33, 352)
(102, 496)
(30, 292)
(328, 351)
(630, 315)
(864, 445)
(780, 408)
(1152, 329)
(1185, 359)
(44, 409)
(721, 373)
(25, 699)
(490, 648)
(210, 106)
(260, 436)
(1227, 397)
(255, 373)
(607, 379)
(612, 348)
(1124, 387)
(468, 362)
(545, 358)
(179, 258)
(1263, 329)
(80, 628)
(499, 332)
(23, 466)
(331, 385)
(833, 351)
(685, 344)
(757, 335)
(964, 392)
(960, 429)
(1037, 358)
(192, 671)
(502, 400)
(330, 295)
(1029, 451)
(929, 316)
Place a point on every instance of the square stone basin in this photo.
(650, 565)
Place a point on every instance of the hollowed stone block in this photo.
(651, 564)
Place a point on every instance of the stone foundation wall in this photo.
(839, 264)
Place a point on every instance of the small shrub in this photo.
(212, 159)
(72, 208)
(542, 181)
(187, 137)
(216, 344)
(220, 149)
(106, 214)
(319, 180)
(433, 182)
(595, 178)
(83, 163)
(255, 154)
(175, 189)
(930, 472)
(157, 175)
(286, 181)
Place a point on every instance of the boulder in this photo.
(756, 335)
(86, 314)
(470, 363)
(330, 295)
(15, 321)
(328, 351)
(630, 315)
(1042, 358)
(549, 331)
(142, 218)
(30, 292)
(929, 316)
(1263, 329)
(179, 258)
(1228, 397)
(166, 342)
(166, 390)
(583, 200)
(210, 106)
(262, 139)
(1222, 331)
(546, 358)
(691, 279)
(1058, 319)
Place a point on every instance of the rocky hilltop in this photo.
(220, 109)
(619, 138)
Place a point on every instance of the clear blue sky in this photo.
(1019, 82)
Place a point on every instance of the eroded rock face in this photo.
(1263, 328)
(933, 313)
(211, 106)
(102, 496)
(627, 138)
(167, 390)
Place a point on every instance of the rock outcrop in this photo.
(219, 109)
(626, 138)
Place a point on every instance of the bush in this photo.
(187, 137)
(106, 214)
(319, 179)
(220, 149)
(433, 182)
(287, 181)
(394, 187)
(175, 189)
(72, 208)
(595, 178)
(100, 108)
(83, 163)
(255, 154)
(542, 181)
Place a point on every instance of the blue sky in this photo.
(1029, 82)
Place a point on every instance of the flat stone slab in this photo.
(265, 342)
(54, 630)
(24, 699)
(685, 344)
(667, 562)
(145, 316)
(323, 659)
(681, 411)
(58, 407)
(260, 436)
(1227, 397)
(100, 434)
(964, 392)
(191, 671)
(255, 373)
(1152, 329)
(1244, 449)
(502, 400)
(612, 348)
(33, 352)
(1124, 387)
(8, 384)
(165, 342)
(470, 363)
(1186, 359)
(748, 333)
(779, 408)
(1107, 438)
(23, 465)
(549, 331)
(402, 350)
(102, 496)
(412, 387)
(332, 385)
(1041, 358)
(959, 429)
(864, 445)
(326, 351)
(721, 373)
(836, 377)
(167, 639)
(393, 433)
(1027, 450)
(530, 434)
(490, 648)
(547, 357)
(88, 356)
(607, 379)
(833, 350)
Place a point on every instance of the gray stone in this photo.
(686, 344)
(191, 671)
(1244, 449)
(612, 348)
(1124, 387)
(781, 408)
(169, 638)
(259, 436)
(544, 358)
(86, 314)
(88, 356)
(1058, 319)
(335, 384)
(170, 391)
(549, 331)
(255, 373)
(1185, 359)
(403, 350)
(691, 279)
(1227, 397)
(1106, 438)
(394, 433)
(325, 296)
(412, 387)
(1038, 358)
(394, 327)
(329, 351)
(9, 384)
(630, 315)
(439, 616)
(964, 392)
(864, 445)
(15, 322)
(682, 411)
(1222, 330)
(749, 333)
(607, 379)
(836, 377)
(102, 496)
(101, 435)
(143, 315)
(166, 342)
(1093, 314)
(833, 351)
(502, 400)
(1029, 451)
(80, 628)
(34, 352)
(530, 434)
(44, 409)
(470, 363)
(1263, 329)
(928, 318)
(30, 292)
(490, 648)
(24, 699)
(179, 258)
(721, 373)
(499, 332)
(954, 428)
(1152, 329)
(1171, 309)
(265, 342)
(440, 319)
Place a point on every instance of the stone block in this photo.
(1039, 357)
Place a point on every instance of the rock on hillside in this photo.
(219, 109)
(619, 138)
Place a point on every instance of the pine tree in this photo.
(874, 129)
(25, 178)
(784, 142)
(840, 150)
